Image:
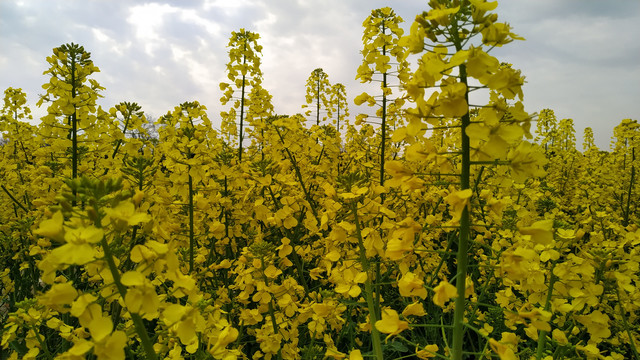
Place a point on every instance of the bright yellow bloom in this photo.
(59, 294)
(100, 328)
(597, 324)
(498, 34)
(52, 228)
(112, 348)
(414, 309)
(443, 293)
(504, 352)
(226, 337)
(442, 15)
(347, 281)
(79, 349)
(81, 304)
(483, 5)
(333, 353)
(79, 249)
(410, 285)
(541, 232)
(355, 355)
(526, 160)
(591, 350)
(559, 336)
(458, 201)
(141, 296)
(123, 215)
(185, 321)
(452, 102)
(391, 323)
(428, 352)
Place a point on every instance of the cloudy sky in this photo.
(581, 57)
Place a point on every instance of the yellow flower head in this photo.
(443, 293)
(391, 323)
(410, 285)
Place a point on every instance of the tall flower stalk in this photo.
(383, 57)
(245, 75)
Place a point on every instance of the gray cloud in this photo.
(580, 57)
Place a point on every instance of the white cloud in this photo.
(146, 19)
(191, 15)
(228, 7)
(580, 57)
(107, 41)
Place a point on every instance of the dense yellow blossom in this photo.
(433, 227)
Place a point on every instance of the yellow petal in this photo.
(414, 309)
(51, 228)
(391, 323)
(60, 294)
(443, 293)
(100, 328)
(541, 232)
(132, 278)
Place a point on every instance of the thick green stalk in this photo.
(368, 288)
(137, 320)
(542, 336)
(632, 343)
(383, 133)
(42, 343)
(74, 121)
(127, 118)
(244, 77)
(625, 220)
(307, 195)
(318, 101)
(462, 258)
(338, 125)
(74, 125)
(191, 236)
(272, 312)
(225, 213)
(14, 199)
(293, 237)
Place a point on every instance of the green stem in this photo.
(625, 220)
(318, 100)
(373, 315)
(74, 126)
(542, 336)
(191, 236)
(299, 176)
(127, 118)
(338, 124)
(632, 343)
(42, 343)
(383, 133)
(137, 320)
(14, 199)
(465, 223)
(293, 237)
(272, 312)
(241, 135)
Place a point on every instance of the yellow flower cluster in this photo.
(442, 233)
